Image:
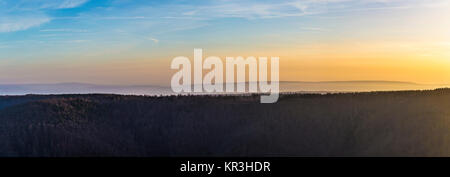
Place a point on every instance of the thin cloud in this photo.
(48, 4)
(296, 8)
(77, 41)
(156, 41)
(21, 15)
(123, 18)
(315, 29)
(65, 4)
(11, 24)
(64, 30)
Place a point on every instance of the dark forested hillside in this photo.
(407, 123)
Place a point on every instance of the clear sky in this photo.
(133, 41)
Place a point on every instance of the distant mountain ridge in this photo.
(354, 81)
(82, 88)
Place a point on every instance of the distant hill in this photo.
(82, 88)
(404, 123)
(285, 86)
(355, 86)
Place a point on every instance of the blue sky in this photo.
(45, 33)
(109, 22)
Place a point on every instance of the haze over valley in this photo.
(285, 86)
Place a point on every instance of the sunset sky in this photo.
(134, 41)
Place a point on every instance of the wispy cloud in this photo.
(315, 29)
(44, 4)
(251, 9)
(124, 18)
(77, 41)
(65, 4)
(64, 30)
(11, 23)
(18, 15)
(154, 40)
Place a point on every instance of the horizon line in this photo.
(284, 81)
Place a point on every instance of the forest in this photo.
(391, 123)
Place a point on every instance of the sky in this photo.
(133, 42)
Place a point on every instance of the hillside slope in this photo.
(408, 123)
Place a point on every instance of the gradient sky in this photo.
(133, 42)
